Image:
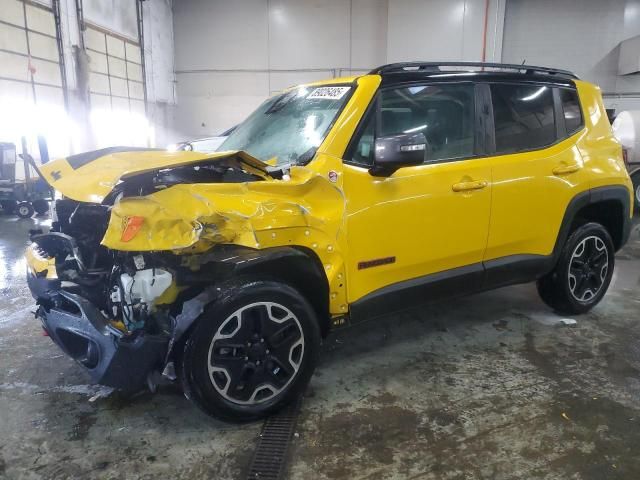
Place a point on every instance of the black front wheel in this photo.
(583, 272)
(252, 351)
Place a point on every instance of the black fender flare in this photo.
(617, 193)
(287, 263)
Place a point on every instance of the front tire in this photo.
(252, 352)
(583, 272)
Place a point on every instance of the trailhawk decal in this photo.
(376, 263)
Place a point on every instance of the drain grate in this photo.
(270, 457)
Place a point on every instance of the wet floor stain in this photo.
(80, 430)
(491, 386)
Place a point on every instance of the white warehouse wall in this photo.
(73, 131)
(444, 30)
(115, 15)
(230, 56)
(159, 65)
(581, 35)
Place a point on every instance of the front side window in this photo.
(571, 110)
(523, 117)
(291, 126)
(443, 112)
(363, 151)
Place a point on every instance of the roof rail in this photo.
(426, 67)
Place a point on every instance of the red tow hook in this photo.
(45, 333)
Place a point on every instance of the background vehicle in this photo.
(415, 182)
(204, 145)
(21, 196)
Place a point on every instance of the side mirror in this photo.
(397, 151)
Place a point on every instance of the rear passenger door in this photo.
(536, 167)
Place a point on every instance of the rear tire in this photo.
(636, 192)
(252, 351)
(24, 210)
(583, 273)
(41, 206)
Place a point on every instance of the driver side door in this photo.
(422, 230)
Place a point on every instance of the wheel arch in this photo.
(300, 268)
(608, 206)
(297, 267)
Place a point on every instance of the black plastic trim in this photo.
(430, 67)
(516, 269)
(402, 78)
(409, 293)
(620, 194)
(558, 115)
(110, 357)
(296, 266)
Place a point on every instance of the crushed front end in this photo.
(141, 241)
(108, 310)
(117, 310)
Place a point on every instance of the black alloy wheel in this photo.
(252, 351)
(588, 268)
(256, 352)
(583, 272)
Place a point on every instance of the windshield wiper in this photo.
(307, 156)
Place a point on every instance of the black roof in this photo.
(412, 71)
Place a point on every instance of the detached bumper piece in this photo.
(112, 358)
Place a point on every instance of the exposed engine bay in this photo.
(136, 298)
(123, 285)
(120, 284)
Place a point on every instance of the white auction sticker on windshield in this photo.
(332, 93)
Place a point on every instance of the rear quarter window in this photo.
(571, 110)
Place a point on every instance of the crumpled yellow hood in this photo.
(90, 176)
(198, 215)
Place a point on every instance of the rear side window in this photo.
(523, 117)
(571, 110)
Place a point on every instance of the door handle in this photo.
(565, 169)
(467, 186)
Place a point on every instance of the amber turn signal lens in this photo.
(131, 227)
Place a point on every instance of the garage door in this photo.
(115, 66)
(29, 56)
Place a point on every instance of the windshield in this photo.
(291, 126)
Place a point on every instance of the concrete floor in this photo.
(491, 386)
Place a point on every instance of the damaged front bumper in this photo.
(110, 356)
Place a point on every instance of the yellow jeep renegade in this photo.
(332, 203)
